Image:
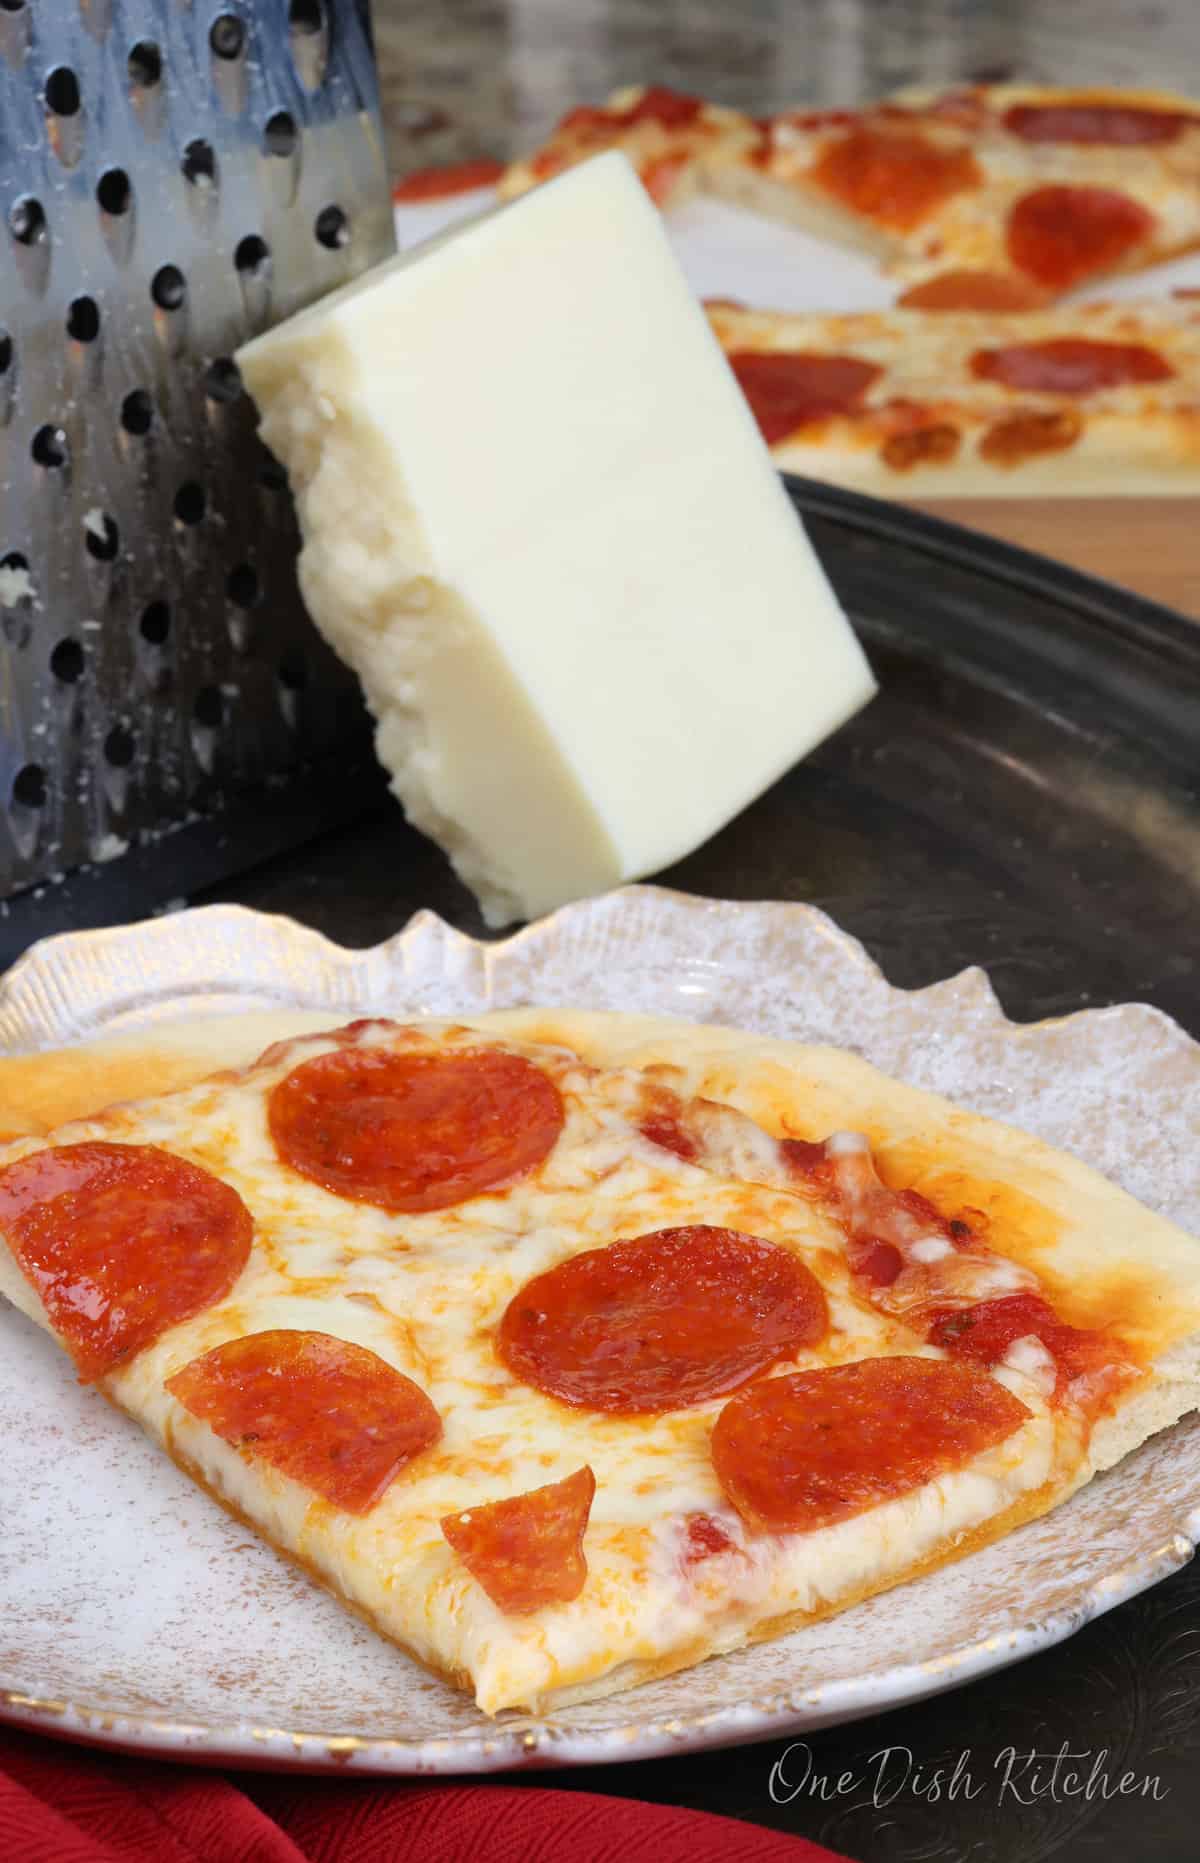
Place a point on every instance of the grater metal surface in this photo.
(175, 176)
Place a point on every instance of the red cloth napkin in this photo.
(64, 1804)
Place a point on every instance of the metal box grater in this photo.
(175, 175)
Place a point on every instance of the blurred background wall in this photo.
(464, 78)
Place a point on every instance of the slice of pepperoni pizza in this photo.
(907, 403)
(572, 1349)
(998, 197)
(986, 197)
(673, 140)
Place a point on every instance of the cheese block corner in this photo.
(540, 524)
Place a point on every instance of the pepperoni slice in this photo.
(411, 1132)
(331, 1415)
(661, 178)
(975, 291)
(662, 1123)
(121, 1242)
(527, 1551)
(435, 184)
(803, 1451)
(787, 389)
(934, 445)
(894, 177)
(1069, 365)
(808, 1160)
(657, 104)
(1024, 436)
(705, 1538)
(672, 1318)
(589, 123)
(1125, 126)
(1062, 235)
(983, 1333)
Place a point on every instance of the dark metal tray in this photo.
(1025, 795)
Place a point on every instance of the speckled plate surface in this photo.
(134, 1613)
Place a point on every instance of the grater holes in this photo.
(190, 503)
(49, 448)
(6, 352)
(242, 585)
(168, 287)
(119, 748)
(83, 320)
(227, 36)
(272, 476)
(199, 163)
(280, 134)
(154, 624)
(145, 65)
(114, 192)
(208, 715)
(62, 92)
(251, 254)
(137, 412)
(308, 29)
(208, 708)
(67, 662)
(101, 538)
(12, 6)
(293, 670)
(17, 596)
(332, 228)
(27, 221)
(29, 787)
(17, 599)
(222, 380)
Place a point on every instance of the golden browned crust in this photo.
(1029, 1507)
(456, 1678)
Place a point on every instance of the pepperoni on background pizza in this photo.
(121, 1242)
(1070, 365)
(415, 1131)
(788, 389)
(527, 1550)
(1061, 236)
(328, 1414)
(1031, 434)
(1088, 121)
(896, 178)
(968, 290)
(810, 1448)
(663, 1321)
(436, 184)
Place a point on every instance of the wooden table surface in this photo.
(1151, 545)
(486, 77)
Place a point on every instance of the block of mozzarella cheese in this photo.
(541, 526)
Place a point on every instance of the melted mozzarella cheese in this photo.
(1030, 1358)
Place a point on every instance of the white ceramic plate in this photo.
(133, 1612)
